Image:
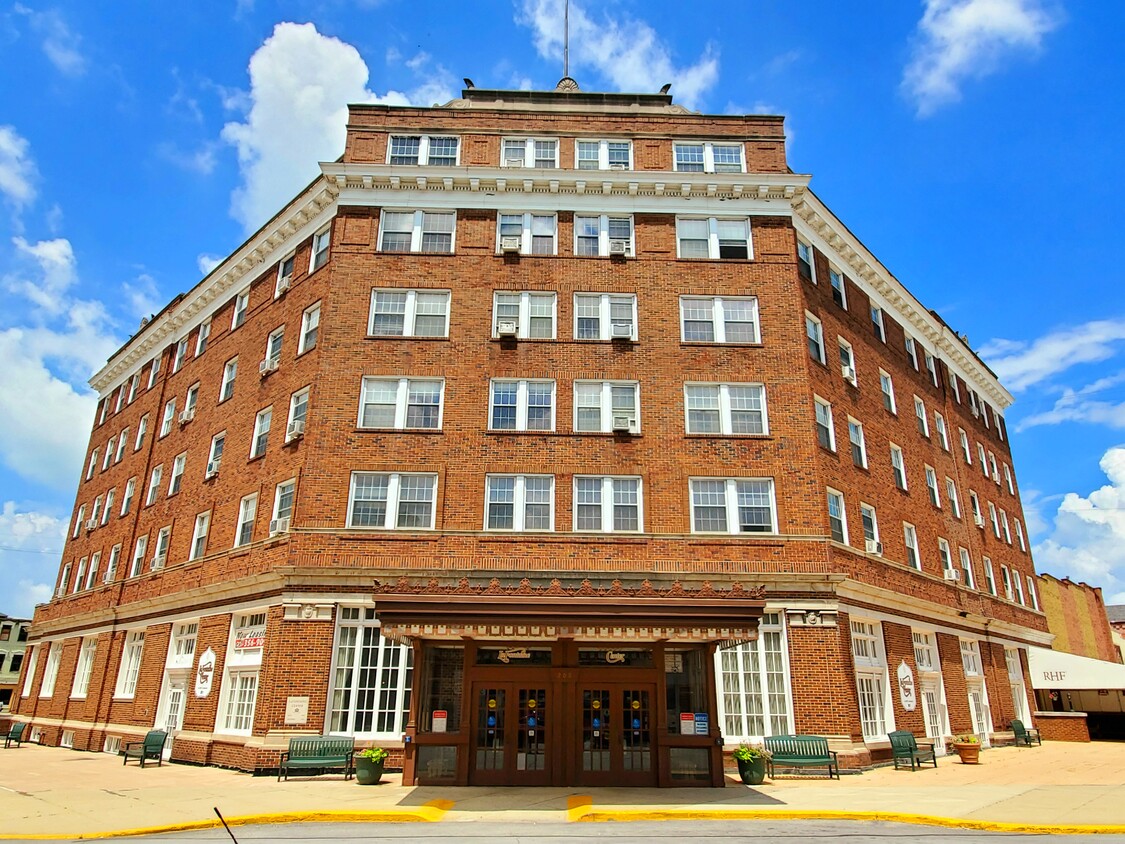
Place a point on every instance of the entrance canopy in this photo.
(1060, 670)
(583, 611)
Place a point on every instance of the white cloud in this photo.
(32, 545)
(419, 61)
(17, 169)
(627, 52)
(142, 295)
(963, 39)
(60, 45)
(1020, 365)
(56, 265)
(207, 262)
(201, 161)
(1080, 406)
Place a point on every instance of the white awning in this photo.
(1059, 670)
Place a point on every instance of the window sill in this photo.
(515, 433)
(412, 337)
(511, 341)
(416, 252)
(303, 352)
(254, 457)
(359, 430)
(766, 436)
(715, 260)
(389, 534)
(716, 345)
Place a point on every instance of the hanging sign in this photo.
(906, 691)
(205, 673)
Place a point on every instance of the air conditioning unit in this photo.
(995, 476)
(952, 575)
(158, 560)
(617, 167)
(507, 328)
(848, 372)
(513, 162)
(279, 526)
(510, 243)
(978, 519)
(282, 286)
(874, 546)
(295, 430)
(91, 524)
(187, 415)
(619, 247)
(621, 330)
(212, 468)
(267, 366)
(623, 424)
(974, 410)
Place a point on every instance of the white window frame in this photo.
(1006, 579)
(241, 666)
(910, 540)
(127, 498)
(932, 486)
(1008, 480)
(1031, 591)
(524, 315)
(603, 161)
(283, 489)
(139, 550)
(945, 554)
(899, 465)
(154, 484)
(753, 679)
(708, 163)
(981, 458)
(835, 497)
(814, 333)
(527, 232)
(93, 464)
(83, 668)
(247, 514)
(857, 440)
(1005, 527)
(1020, 537)
(608, 502)
(422, 159)
(380, 660)
(522, 404)
(134, 386)
(942, 431)
(954, 499)
(878, 325)
(967, 567)
(402, 388)
(723, 406)
(870, 659)
(965, 450)
(410, 311)
(887, 388)
(169, 416)
(994, 519)
(110, 449)
(530, 158)
(604, 235)
(931, 366)
(259, 441)
(868, 514)
(1017, 582)
(606, 408)
(285, 269)
(215, 453)
(418, 231)
(298, 412)
(310, 328)
(142, 429)
(241, 307)
(839, 287)
(912, 351)
(181, 353)
(132, 655)
(92, 573)
(393, 501)
(51, 670)
(714, 242)
(321, 247)
(202, 336)
(29, 675)
(114, 562)
(847, 361)
(921, 417)
(719, 321)
(974, 505)
(78, 521)
(824, 407)
(176, 477)
(989, 575)
(730, 504)
(199, 536)
(607, 324)
(160, 552)
(519, 503)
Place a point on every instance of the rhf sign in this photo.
(906, 692)
(205, 673)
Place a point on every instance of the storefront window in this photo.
(443, 689)
(371, 678)
(754, 685)
(687, 692)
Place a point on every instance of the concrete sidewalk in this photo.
(1059, 787)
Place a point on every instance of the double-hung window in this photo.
(199, 535)
(135, 382)
(603, 155)
(814, 331)
(858, 442)
(839, 294)
(121, 443)
(989, 575)
(247, 511)
(910, 540)
(870, 522)
(994, 519)
(607, 504)
(127, 498)
(931, 367)
(965, 446)
(521, 405)
(320, 244)
(530, 315)
(877, 324)
(708, 157)
(540, 153)
(1019, 536)
(389, 501)
(805, 266)
(887, 388)
(912, 351)
(417, 231)
(298, 412)
(84, 668)
(93, 464)
(51, 670)
(1008, 480)
(1003, 523)
(605, 316)
(190, 402)
(980, 457)
(114, 561)
(409, 313)
(847, 361)
(201, 338)
(898, 466)
(371, 679)
(176, 480)
(951, 494)
(725, 409)
(142, 429)
(169, 415)
(433, 150)
(230, 371)
(967, 568)
(181, 353)
(921, 418)
(837, 516)
(519, 502)
(978, 514)
(534, 234)
(732, 505)
(130, 664)
(942, 431)
(238, 316)
(160, 552)
(713, 237)
(261, 437)
(273, 346)
(154, 484)
(404, 403)
(310, 328)
(825, 430)
(110, 448)
(603, 234)
(284, 275)
(605, 406)
(283, 496)
(932, 486)
(719, 319)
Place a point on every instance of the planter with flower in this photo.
(751, 759)
(967, 746)
(369, 764)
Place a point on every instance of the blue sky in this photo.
(974, 146)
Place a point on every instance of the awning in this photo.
(1060, 670)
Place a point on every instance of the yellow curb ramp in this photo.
(581, 809)
(429, 812)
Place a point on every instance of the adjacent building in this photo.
(13, 643)
(546, 437)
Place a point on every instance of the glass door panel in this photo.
(596, 718)
(636, 736)
(532, 751)
(489, 734)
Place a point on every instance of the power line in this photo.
(28, 550)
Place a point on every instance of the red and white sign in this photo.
(246, 640)
(687, 723)
(441, 718)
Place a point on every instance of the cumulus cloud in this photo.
(60, 44)
(1020, 365)
(17, 169)
(1088, 404)
(55, 260)
(30, 548)
(207, 262)
(959, 40)
(626, 52)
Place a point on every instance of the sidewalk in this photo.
(54, 792)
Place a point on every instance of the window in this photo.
(64, 581)
(519, 502)
(871, 678)
(925, 652)
(111, 568)
(540, 153)
(284, 275)
(965, 446)
(837, 518)
(320, 243)
(1031, 593)
(732, 505)
(409, 313)
(708, 157)
(970, 658)
(601, 406)
(974, 503)
(84, 668)
(1007, 529)
(603, 155)
(1019, 535)
(230, 371)
(51, 670)
(247, 511)
(910, 537)
(603, 235)
(1008, 480)
(121, 441)
(93, 463)
(815, 333)
(942, 433)
(391, 501)
(805, 265)
(989, 576)
(912, 351)
(535, 234)
(199, 535)
(120, 398)
(931, 367)
(104, 411)
(91, 575)
(417, 231)
(154, 370)
(605, 316)
(142, 429)
(298, 411)
(967, 568)
(531, 314)
(719, 319)
(713, 237)
(110, 448)
(754, 698)
(886, 386)
(993, 468)
(522, 406)
(181, 353)
(202, 336)
(1006, 577)
(847, 361)
(401, 403)
(169, 415)
(310, 327)
(241, 306)
(921, 418)
(177, 477)
(240, 674)
(78, 521)
(951, 494)
(869, 521)
(980, 458)
(154, 484)
(877, 325)
(932, 486)
(992, 517)
(898, 466)
(436, 151)
(184, 637)
(839, 296)
(130, 664)
(273, 346)
(858, 443)
(127, 499)
(215, 455)
(283, 496)
(79, 576)
(371, 679)
(607, 504)
(191, 400)
(725, 409)
(825, 431)
(96, 512)
(134, 386)
(137, 565)
(160, 553)
(261, 436)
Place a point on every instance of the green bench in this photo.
(15, 734)
(318, 752)
(1025, 735)
(150, 747)
(801, 752)
(905, 747)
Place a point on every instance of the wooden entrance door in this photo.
(615, 742)
(509, 744)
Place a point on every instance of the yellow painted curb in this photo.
(429, 812)
(581, 809)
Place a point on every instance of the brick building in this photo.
(551, 437)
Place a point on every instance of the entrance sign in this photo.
(906, 692)
(441, 718)
(205, 673)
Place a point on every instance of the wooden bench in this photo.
(318, 752)
(151, 747)
(905, 747)
(801, 752)
(15, 734)
(1025, 735)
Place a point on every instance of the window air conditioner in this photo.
(279, 526)
(874, 546)
(995, 476)
(296, 430)
(267, 366)
(510, 243)
(212, 468)
(617, 167)
(622, 424)
(91, 524)
(622, 331)
(506, 328)
(187, 415)
(974, 411)
(618, 247)
(513, 162)
(282, 286)
(978, 519)
(848, 372)
(952, 575)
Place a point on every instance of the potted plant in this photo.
(751, 759)
(369, 765)
(967, 746)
